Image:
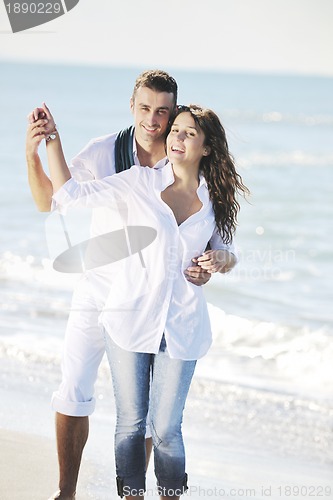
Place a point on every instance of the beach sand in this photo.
(223, 460)
(28, 469)
(29, 472)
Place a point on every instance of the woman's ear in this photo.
(206, 151)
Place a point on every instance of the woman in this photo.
(155, 320)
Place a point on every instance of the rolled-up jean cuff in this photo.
(72, 408)
(170, 488)
(131, 486)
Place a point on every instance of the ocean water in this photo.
(270, 367)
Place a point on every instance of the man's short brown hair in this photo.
(157, 80)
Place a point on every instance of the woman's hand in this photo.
(216, 261)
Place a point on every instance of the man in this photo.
(152, 103)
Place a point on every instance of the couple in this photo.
(153, 342)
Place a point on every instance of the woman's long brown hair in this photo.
(219, 170)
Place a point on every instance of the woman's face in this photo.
(185, 142)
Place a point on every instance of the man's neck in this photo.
(151, 153)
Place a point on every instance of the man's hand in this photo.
(40, 125)
(36, 114)
(216, 261)
(42, 113)
(196, 275)
(37, 131)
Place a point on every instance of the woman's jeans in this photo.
(165, 397)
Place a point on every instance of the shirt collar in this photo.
(159, 164)
(135, 153)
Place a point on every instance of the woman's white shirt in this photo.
(150, 295)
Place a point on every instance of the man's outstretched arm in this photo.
(40, 184)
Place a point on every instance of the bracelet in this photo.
(52, 135)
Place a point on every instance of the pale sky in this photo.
(280, 36)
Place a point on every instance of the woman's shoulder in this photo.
(138, 176)
(132, 175)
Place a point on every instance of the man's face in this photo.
(151, 111)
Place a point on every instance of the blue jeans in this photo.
(170, 382)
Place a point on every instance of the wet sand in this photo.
(28, 468)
